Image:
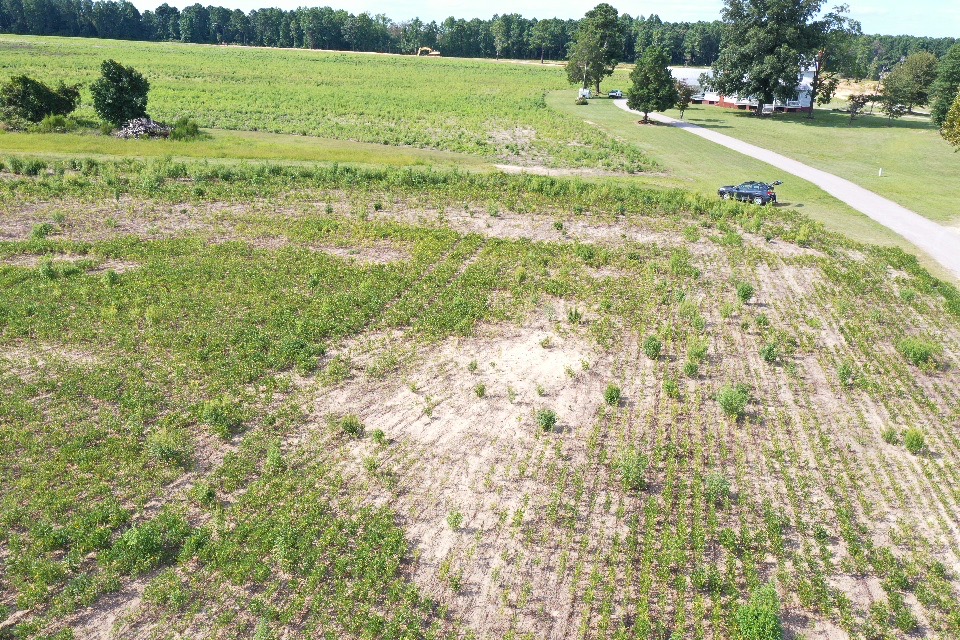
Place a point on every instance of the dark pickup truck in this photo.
(759, 193)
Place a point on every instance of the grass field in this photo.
(269, 385)
(478, 107)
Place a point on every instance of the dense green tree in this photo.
(832, 35)
(23, 98)
(691, 43)
(765, 44)
(652, 85)
(120, 93)
(597, 48)
(951, 125)
(585, 64)
(913, 79)
(945, 87)
(548, 35)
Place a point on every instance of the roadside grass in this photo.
(690, 162)
(467, 106)
(920, 171)
(230, 145)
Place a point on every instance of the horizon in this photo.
(879, 17)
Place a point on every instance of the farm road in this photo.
(939, 242)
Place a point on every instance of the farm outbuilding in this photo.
(691, 75)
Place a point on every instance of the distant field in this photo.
(470, 106)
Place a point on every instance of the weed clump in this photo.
(770, 353)
(890, 436)
(716, 488)
(455, 519)
(759, 619)
(379, 437)
(745, 292)
(547, 419)
(612, 395)
(632, 466)
(480, 390)
(349, 424)
(913, 440)
(223, 416)
(733, 400)
(167, 444)
(918, 351)
(652, 347)
(149, 545)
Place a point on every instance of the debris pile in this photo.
(143, 128)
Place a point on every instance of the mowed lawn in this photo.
(690, 162)
(920, 170)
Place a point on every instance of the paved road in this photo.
(939, 242)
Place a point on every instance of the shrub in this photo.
(24, 98)
(120, 93)
(455, 520)
(733, 400)
(480, 390)
(56, 124)
(759, 619)
(632, 465)
(744, 291)
(379, 437)
(33, 167)
(187, 129)
(472, 367)
(716, 488)
(913, 440)
(691, 369)
(574, 316)
(612, 395)
(652, 347)
(917, 351)
(547, 419)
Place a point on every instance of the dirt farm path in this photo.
(940, 242)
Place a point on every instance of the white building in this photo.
(691, 75)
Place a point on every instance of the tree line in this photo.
(507, 36)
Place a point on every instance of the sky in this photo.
(895, 17)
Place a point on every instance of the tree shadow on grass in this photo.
(829, 120)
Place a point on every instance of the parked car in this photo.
(616, 93)
(756, 192)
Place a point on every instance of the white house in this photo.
(691, 75)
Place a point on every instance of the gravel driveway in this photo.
(939, 242)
